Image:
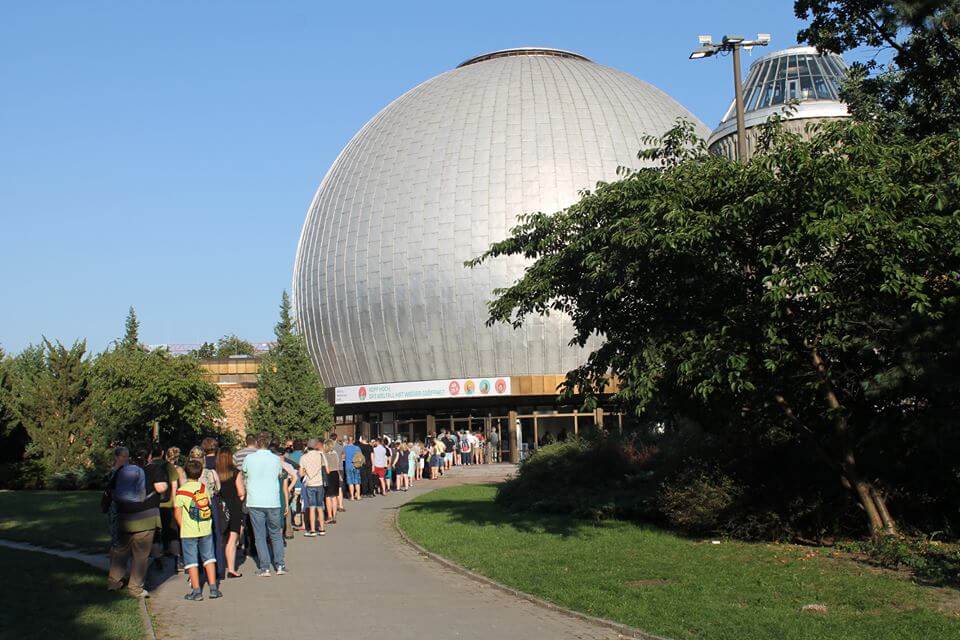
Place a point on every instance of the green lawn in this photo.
(45, 597)
(676, 587)
(64, 519)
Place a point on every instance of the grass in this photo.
(62, 519)
(672, 586)
(46, 597)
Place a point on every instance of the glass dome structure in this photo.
(380, 290)
(801, 76)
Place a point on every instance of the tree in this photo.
(131, 337)
(51, 400)
(231, 345)
(206, 351)
(919, 90)
(13, 438)
(290, 398)
(133, 388)
(804, 291)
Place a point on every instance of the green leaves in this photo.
(290, 397)
(134, 387)
(49, 393)
(711, 282)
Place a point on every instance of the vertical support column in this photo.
(431, 425)
(536, 435)
(576, 423)
(410, 430)
(620, 422)
(452, 427)
(512, 435)
(599, 418)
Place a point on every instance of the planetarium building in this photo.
(394, 322)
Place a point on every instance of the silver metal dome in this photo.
(380, 290)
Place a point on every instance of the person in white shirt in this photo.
(380, 464)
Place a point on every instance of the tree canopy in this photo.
(919, 89)
(50, 396)
(231, 345)
(812, 290)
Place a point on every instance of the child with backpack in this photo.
(194, 515)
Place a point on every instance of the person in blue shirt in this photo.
(353, 473)
(262, 471)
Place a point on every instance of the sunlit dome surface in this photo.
(380, 290)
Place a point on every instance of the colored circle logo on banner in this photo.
(469, 387)
(362, 393)
(484, 387)
(454, 387)
(501, 386)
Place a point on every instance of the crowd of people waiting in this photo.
(219, 506)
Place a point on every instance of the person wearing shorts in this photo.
(313, 469)
(436, 459)
(194, 516)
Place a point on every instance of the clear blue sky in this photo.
(163, 154)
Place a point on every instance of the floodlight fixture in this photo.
(703, 52)
(733, 44)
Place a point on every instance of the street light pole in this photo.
(733, 44)
(738, 98)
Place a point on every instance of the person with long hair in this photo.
(332, 488)
(402, 467)
(313, 466)
(232, 493)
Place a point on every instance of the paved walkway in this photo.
(361, 581)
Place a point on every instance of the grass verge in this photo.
(672, 586)
(47, 597)
(61, 519)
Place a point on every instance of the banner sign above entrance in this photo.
(424, 390)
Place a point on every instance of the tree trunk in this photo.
(872, 502)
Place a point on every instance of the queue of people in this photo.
(219, 507)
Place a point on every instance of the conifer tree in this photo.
(290, 400)
(131, 338)
(53, 404)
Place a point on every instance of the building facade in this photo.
(393, 320)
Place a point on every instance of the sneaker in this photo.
(143, 594)
(281, 569)
(322, 532)
(215, 593)
(263, 573)
(195, 595)
(310, 534)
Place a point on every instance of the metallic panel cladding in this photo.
(380, 290)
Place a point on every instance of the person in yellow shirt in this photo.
(194, 513)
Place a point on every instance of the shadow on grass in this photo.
(484, 513)
(60, 519)
(57, 598)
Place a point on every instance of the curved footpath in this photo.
(362, 581)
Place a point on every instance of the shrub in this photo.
(698, 500)
(599, 479)
(929, 561)
(75, 479)
(27, 474)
